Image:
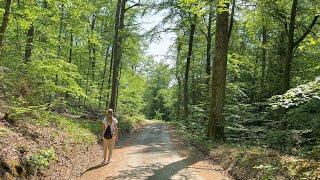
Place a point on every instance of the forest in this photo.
(240, 81)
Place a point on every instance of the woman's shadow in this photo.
(100, 165)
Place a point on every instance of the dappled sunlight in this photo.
(152, 153)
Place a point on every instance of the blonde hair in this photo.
(109, 115)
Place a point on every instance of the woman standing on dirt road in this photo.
(110, 135)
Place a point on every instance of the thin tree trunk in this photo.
(5, 21)
(71, 48)
(59, 40)
(109, 78)
(231, 19)
(120, 73)
(93, 63)
(60, 31)
(187, 69)
(193, 84)
(29, 43)
(88, 72)
(93, 49)
(253, 89)
(216, 124)
(209, 44)
(263, 60)
(179, 89)
(91, 60)
(104, 75)
(70, 55)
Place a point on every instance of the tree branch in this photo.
(308, 30)
(135, 5)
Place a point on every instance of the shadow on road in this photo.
(161, 171)
(94, 168)
(154, 152)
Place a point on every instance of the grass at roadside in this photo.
(79, 130)
(130, 123)
(249, 162)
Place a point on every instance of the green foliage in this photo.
(80, 131)
(70, 66)
(129, 123)
(223, 5)
(131, 100)
(158, 95)
(297, 96)
(40, 160)
(47, 73)
(194, 6)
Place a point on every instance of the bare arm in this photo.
(103, 128)
(116, 132)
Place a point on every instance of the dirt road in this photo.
(155, 152)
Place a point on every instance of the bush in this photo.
(39, 161)
(129, 123)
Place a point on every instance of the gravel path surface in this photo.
(155, 152)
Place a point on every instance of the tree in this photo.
(292, 43)
(219, 71)
(28, 50)
(119, 26)
(209, 44)
(5, 21)
(187, 67)
(178, 77)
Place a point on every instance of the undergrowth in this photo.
(252, 162)
(40, 160)
(79, 130)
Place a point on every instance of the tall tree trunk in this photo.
(231, 19)
(70, 55)
(194, 96)
(91, 60)
(29, 43)
(219, 72)
(254, 78)
(60, 31)
(93, 63)
(263, 60)
(290, 46)
(120, 73)
(109, 78)
(59, 51)
(119, 26)
(187, 68)
(209, 44)
(88, 73)
(5, 21)
(104, 75)
(93, 49)
(71, 48)
(179, 90)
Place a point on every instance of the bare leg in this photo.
(105, 150)
(110, 147)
